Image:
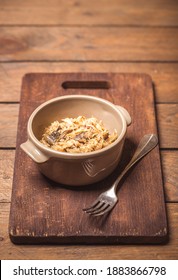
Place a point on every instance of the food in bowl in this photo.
(77, 135)
(76, 169)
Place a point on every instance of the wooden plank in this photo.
(38, 209)
(117, 12)
(169, 162)
(168, 125)
(170, 172)
(8, 124)
(6, 174)
(87, 43)
(164, 75)
(166, 115)
(116, 252)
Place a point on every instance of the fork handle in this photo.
(147, 143)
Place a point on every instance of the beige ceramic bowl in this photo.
(83, 168)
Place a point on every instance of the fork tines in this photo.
(98, 208)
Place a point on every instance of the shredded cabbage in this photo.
(77, 135)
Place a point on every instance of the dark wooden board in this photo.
(45, 212)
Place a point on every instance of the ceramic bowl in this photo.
(81, 168)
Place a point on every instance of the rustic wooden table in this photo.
(90, 36)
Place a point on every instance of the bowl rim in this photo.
(53, 153)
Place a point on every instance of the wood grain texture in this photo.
(168, 252)
(84, 43)
(6, 174)
(117, 12)
(169, 162)
(168, 125)
(164, 75)
(8, 124)
(39, 208)
(166, 115)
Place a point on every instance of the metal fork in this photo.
(108, 199)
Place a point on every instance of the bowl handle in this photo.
(125, 114)
(32, 151)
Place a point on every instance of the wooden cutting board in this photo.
(46, 212)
